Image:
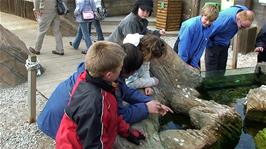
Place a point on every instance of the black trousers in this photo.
(262, 56)
(216, 58)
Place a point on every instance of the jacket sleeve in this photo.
(134, 113)
(129, 28)
(93, 5)
(195, 60)
(123, 127)
(134, 96)
(261, 38)
(154, 32)
(184, 45)
(141, 78)
(87, 118)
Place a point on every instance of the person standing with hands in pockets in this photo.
(46, 14)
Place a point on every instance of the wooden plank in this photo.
(164, 18)
(235, 49)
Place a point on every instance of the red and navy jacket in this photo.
(91, 119)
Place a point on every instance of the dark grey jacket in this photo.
(129, 25)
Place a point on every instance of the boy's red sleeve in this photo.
(123, 127)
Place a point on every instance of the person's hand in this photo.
(164, 109)
(162, 32)
(156, 80)
(148, 91)
(153, 106)
(135, 136)
(37, 13)
(196, 69)
(259, 49)
(156, 107)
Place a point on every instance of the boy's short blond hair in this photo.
(103, 57)
(210, 11)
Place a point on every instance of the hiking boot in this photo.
(34, 51)
(57, 53)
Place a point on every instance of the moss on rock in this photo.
(260, 139)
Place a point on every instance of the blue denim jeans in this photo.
(82, 31)
(99, 32)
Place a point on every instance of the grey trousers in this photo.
(46, 20)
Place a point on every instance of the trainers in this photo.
(34, 51)
(83, 52)
(71, 44)
(57, 53)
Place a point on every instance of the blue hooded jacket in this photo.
(50, 118)
(193, 38)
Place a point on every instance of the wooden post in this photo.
(195, 8)
(32, 90)
(235, 49)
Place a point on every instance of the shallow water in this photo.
(234, 97)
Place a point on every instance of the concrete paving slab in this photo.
(58, 68)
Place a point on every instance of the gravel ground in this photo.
(16, 132)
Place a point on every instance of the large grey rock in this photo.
(256, 104)
(261, 72)
(214, 124)
(13, 55)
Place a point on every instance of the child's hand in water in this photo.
(148, 91)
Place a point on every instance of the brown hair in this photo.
(210, 11)
(102, 57)
(133, 60)
(152, 46)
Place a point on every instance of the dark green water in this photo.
(230, 90)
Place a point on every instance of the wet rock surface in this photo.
(214, 123)
(256, 104)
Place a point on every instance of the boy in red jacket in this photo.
(91, 119)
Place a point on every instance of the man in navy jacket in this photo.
(261, 44)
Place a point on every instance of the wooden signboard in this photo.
(169, 13)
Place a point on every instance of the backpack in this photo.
(100, 13)
(61, 7)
